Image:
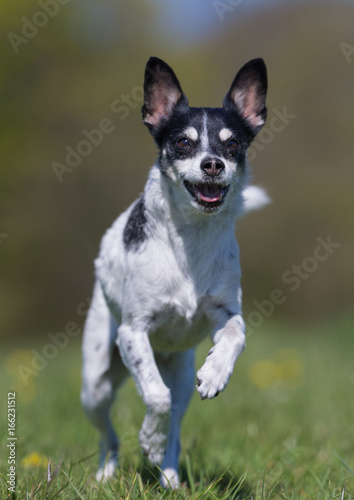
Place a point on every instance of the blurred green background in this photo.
(73, 65)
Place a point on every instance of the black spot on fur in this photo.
(134, 232)
(154, 317)
(138, 363)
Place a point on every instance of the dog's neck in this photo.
(194, 236)
(164, 202)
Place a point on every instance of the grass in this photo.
(283, 429)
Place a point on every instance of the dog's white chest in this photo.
(172, 332)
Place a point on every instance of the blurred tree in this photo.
(82, 62)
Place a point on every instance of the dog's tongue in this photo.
(208, 192)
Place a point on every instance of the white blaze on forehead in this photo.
(225, 134)
(204, 137)
(191, 133)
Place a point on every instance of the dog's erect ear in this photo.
(248, 94)
(162, 93)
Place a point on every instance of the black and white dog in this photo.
(168, 271)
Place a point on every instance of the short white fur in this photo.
(225, 134)
(197, 286)
(191, 133)
(153, 304)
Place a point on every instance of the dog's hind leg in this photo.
(178, 373)
(103, 371)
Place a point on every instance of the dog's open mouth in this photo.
(210, 196)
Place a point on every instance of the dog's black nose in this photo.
(212, 166)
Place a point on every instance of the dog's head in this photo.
(203, 150)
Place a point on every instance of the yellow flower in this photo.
(286, 368)
(34, 460)
(264, 373)
(16, 358)
(291, 366)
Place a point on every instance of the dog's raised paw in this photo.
(212, 379)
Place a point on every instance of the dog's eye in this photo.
(232, 144)
(183, 143)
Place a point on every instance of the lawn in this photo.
(282, 429)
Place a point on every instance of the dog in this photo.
(168, 271)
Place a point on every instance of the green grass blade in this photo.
(343, 463)
(190, 475)
(73, 486)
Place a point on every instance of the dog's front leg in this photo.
(229, 342)
(138, 357)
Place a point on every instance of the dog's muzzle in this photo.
(208, 195)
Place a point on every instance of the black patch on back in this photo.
(134, 232)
